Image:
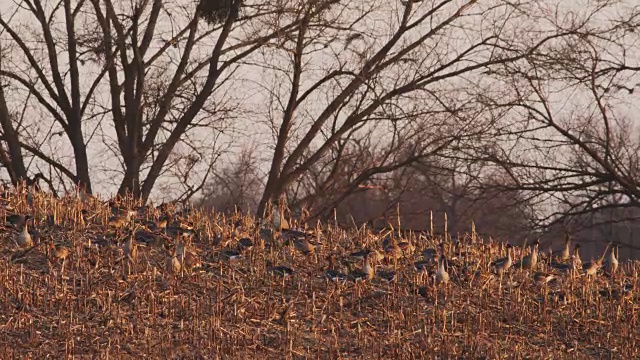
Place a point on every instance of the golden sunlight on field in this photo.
(116, 280)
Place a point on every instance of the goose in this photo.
(387, 275)
(442, 249)
(576, 262)
(238, 228)
(541, 277)
(591, 268)
(191, 260)
(407, 247)
(58, 251)
(333, 274)
(245, 244)
(481, 279)
(266, 234)
(293, 234)
(16, 221)
(163, 221)
(422, 266)
(565, 254)
(188, 260)
(173, 263)
(280, 270)
(503, 264)
(366, 273)
(393, 251)
(361, 254)
(131, 249)
(429, 254)
(231, 254)
(563, 267)
(612, 260)
(304, 246)
(358, 255)
(424, 292)
(23, 239)
(279, 222)
(387, 240)
(442, 276)
(530, 261)
(116, 221)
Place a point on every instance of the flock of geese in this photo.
(449, 261)
(434, 262)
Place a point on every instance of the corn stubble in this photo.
(180, 297)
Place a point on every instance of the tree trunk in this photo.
(83, 179)
(131, 181)
(272, 192)
(266, 198)
(268, 193)
(15, 167)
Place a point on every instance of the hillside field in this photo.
(185, 295)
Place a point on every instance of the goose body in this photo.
(407, 247)
(245, 243)
(501, 265)
(429, 254)
(23, 238)
(612, 261)
(335, 275)
(393, 251)
(59, 252)
(543, 278)
(173, 264)
(565, 254)
(422, 266)
(591, 268)
(576, 262)
(366, 273)
(16, 220)
(332, 274)
(279, 222)
(231, 254)
(359, 255)
(130, 249)
(482, 280)
(304, 246)
(442, 276)
(386, 275)
(530, 261)
(191, 260)
(115, 222)
(282, 271)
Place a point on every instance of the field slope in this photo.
(104, 303)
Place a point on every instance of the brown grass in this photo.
(239, 310)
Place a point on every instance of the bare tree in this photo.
(41, 73)
(466, 191)
(357, 162)
(236, 186)
(152, 68)
(570, 139)
(405, 76)
(11, 157)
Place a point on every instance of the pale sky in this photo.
(251, 127)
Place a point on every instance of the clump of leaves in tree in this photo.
(217, 11)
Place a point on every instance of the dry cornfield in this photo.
(191, 285)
